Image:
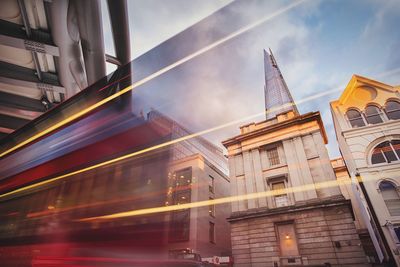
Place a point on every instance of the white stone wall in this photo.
(303, 159)
(356, 144)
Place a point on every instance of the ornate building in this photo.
(290, 210)
(367, 124)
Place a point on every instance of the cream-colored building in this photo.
(290, 210)
(196, 172)
(346, 188)
(367, 124)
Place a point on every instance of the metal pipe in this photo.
(118, 10)
(92, 39)
(65, 32)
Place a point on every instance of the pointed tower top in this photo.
(277, 95)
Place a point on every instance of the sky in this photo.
(318, 45)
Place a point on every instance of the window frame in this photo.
(211, 208)
(211, 232)
(211, 186)
(275, 180)
(274, 160)
(394, 187)
(386, 111)
(349, 120)
(378, 114)
(392, 149)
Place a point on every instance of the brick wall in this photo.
(254, 240)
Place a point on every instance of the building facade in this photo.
(367, 124)
(197, 172)
(290, 210)
(346, 188)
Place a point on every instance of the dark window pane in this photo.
(397, 231)
(389, 153)
(355, 118)
(396, 146)
(211, 232)
(393, 110)
(372, 115)
(377, 156)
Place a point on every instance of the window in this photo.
(397, 232)
(273, 156)
(355, 118)
(211, 232)
(392, 109)
(391, 197)
(287, 239)
(281, 198)
(373, 114)
(211, 208)
(387, 151)
(211, 184)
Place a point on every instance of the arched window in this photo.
(391, 197)
(387, 151)
(392, 109)
(355, 119)
(373, 114)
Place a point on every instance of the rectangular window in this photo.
(211, 184)
(211, 208)
(211, 232)
(287, 239)
(281, 198)
(273, 156)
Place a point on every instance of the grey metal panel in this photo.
(2, 135)
(21, 102)
(20, 73)
(23, 114)
(33, 85)
(29, 45)
(6, 130)
(17, 31)
(11, 122)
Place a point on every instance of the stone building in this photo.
(346, 188)
(367, 123)
(197, 172)
(290, 210)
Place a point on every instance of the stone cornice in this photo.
(311, 116)
(308, 205)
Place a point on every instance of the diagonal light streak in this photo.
(154, 75)
(186, 137)
(225, 200)
(159, 146)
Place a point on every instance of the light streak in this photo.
(225, 200)
(149, 149)
(152, 76)
(166, 144)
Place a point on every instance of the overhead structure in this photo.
(50, 50)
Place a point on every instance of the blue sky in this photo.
(319, 45)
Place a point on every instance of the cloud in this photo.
(314, 51)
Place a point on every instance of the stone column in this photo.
(260, 187)
(304, 168)
(249, 178)
(233, 183)
(294, 174)
(329, 174)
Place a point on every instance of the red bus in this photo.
(88, 157)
